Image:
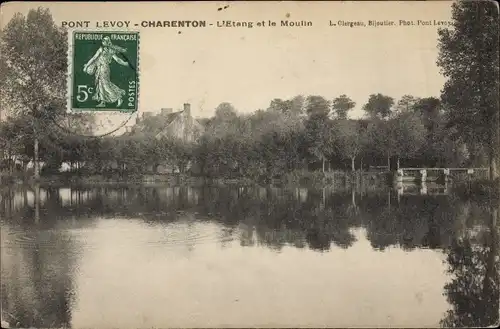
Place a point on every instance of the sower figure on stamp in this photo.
(99, 65)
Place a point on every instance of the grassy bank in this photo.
(172, 179)
(295, 178)
(336, 178)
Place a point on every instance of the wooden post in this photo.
(389, 200)
(37, 203)
(35, 159)
(323, 199)
(423, 188)
(469, 177)
(353, 200)
(446, 172)
(423, 175)
(400, 191)
(400, 175)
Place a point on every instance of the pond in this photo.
(137, 257)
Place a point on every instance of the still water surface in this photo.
(140, 257)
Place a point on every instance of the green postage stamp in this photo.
(104, 72)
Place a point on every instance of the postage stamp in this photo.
(104, 71)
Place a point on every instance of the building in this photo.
(179, 125)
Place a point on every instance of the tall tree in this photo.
(341, 106)
(317, 105)
(318, 128)
(280, 105)
(34, 57)
(223, 121)
(379, 133)
(401, 136)
(429, 109)
(440, 149)
(12, 140)
(406, 103)
(468, 58)
(407, 133)
(350, 138)
(379, 105)
(297, 107)
(319, 136)
(225, 111)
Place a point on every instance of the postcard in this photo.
(264, 164)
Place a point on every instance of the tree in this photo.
(319, 136)
(440, 149)
(12, 134)
(183, 154)
(297, 105)
(341, 106)
(223, 121)
(34, 61)
(406, 103)
(407, 134)
(280, 105)
(317, 105)
(379, 105)
(225, 112)
(380, 134)
(349, 138)
(468, 58)
(430, 111)
(400, 136)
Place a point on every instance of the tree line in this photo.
(304, 133)
(298, 134)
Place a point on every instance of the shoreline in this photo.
(315, 178)
(326, 178)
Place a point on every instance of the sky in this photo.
(248, 67)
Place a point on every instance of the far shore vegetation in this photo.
(303, 137)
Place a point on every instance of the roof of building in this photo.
(154, 125)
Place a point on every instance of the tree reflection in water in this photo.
(473, 262)
(37, 287)
(301, 218)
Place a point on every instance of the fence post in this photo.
(400, 174)
(446, 172)
(469, 177)
(423, 175)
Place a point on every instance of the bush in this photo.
(304, 177)
(480, 190)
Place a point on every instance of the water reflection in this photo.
(473, 262)
(64, 248)
(37, 273)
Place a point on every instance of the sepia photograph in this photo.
(249, 164)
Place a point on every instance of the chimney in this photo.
(147, 114)
(187, 109)
(166, 111)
